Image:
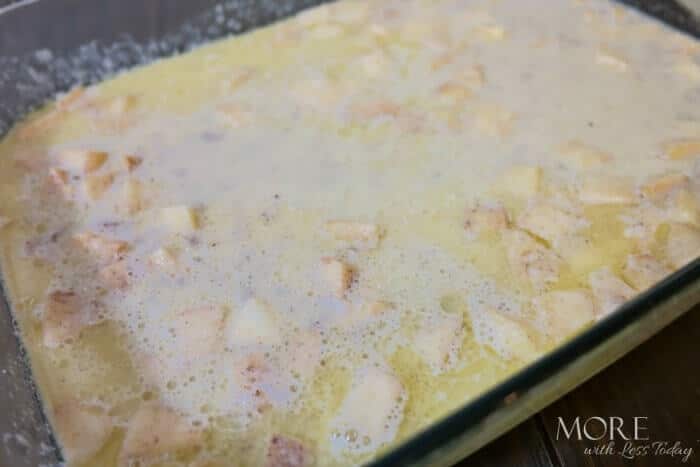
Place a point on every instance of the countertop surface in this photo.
(658, 383)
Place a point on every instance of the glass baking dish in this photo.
(48, 46)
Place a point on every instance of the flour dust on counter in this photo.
(302, 245)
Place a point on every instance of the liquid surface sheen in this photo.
(300, 246)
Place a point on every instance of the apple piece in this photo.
(521, 182)
(682, 244)
(509, 338)
(234, 115)
(181, 219)
(132, 162)
(155, 430)
(105, 249)
(662, 185)
(607, 190)
(284, 451)
(681, 149)
(338, 275)
(163, 257)
(531, 260)
(610, 292)
(453, 91)
(685, 208)
(116, 275)
(358, 234)
(96, 185)
(60, 179)
(612, 60)
(64, 318)
(133, 198)
(82, 160)
(304, 354)
(199, 330)
(438, 340)
(379, 308)
(371, 411)
(549, 222)
(482, 218)
(582, 156)
(254, 323)
(120, 106)
(490, 32)
(493, 121)
(563, 312)
(82, 430)
(642, 271)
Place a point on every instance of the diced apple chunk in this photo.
(490, 32)
(82, 430)
(356, 233)
(494, 121)
(155, 430)
(508, 337)
(472, 76)
(82, 160)
(661, 186)
(254, 323)
(438, 340)
(549, 222)
(375, 64)
(163, 257)
(563, 312)
(132, 162)
(682, 244)
(367, 111)
(283, 451)
(371, 412)
(681, 149)
(182, 219)
(61, 180)
(612, 60)
(96, 185)
(607, 190)
(609, 291)
(133, 196)
(64, 317)
(119, 106)
(304, 355)
(116, 275)
(521, 182)
(531, 260)
(688, 68)
(583, 156)
(685, 208)
(241, 76)
(643, 271)
(378, 308)
(103, 248)
(453, 91)
(234, 115)
(338, 275)
(199, 330)
(483, 218)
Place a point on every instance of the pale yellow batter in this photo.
(300, 246)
